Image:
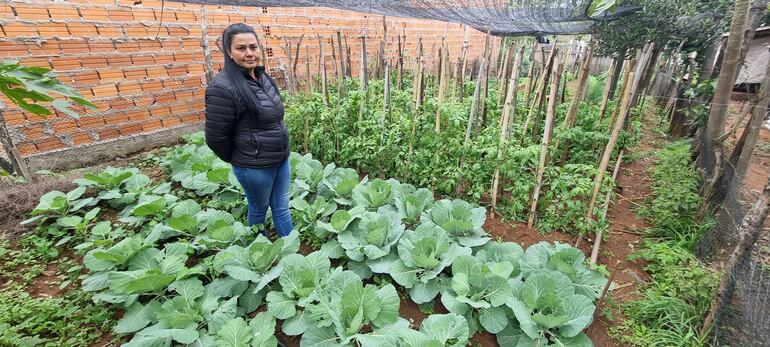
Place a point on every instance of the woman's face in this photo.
(243, 50)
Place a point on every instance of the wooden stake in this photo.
(580, 87)
(530, 76)
(364, 62)
(417, 92)
(629, 69)
(607, 87)
(509, 55)
(307, 71)
(610, 146)
(442, 84)
(605, 208)
(546, 140)
(464, 57)
(541, 86)
(290, 76)
(400, 78)
(322, 64)
(606, 288)
(386, 95)
(508, 110)
(348, 57)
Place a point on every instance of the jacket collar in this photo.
(259, 70)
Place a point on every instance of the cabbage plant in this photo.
(339, 185)
(460, 219)
(373, 238)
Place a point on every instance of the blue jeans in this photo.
(267, 187)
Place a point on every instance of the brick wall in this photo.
(143, 64)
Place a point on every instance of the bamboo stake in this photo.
(474, 110)
(322, 64)
(630, 65)
(349, 58)
(386, 95)
(343, 68)
(540, 90)
(442, 85)
(416, 93)
(416, 118)
(605, 208)
(464, 57)
(508, 110)
(400, 78)
(607, 87)
(611, 145)
(383, 43)
(364, 62)
(307, 71)
(544, 144)
(501, 70)
(530, 76)
(362, 86)
(580, 87)
(485, 92)
(606, 288)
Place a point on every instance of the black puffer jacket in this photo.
(239, 136)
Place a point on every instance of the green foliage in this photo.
(67, 320)
(22, 84)
(675, 194)
(666, 23)
(672, 307)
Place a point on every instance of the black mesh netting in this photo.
(511, 17)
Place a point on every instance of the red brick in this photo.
(138, 115)
(105, 90)
(34, 12)
(135, 30)
(12, 49)
(116, 118)
(18, 29)
(6, 11)
(86, 77)
(186, 16)
(14, 117)
(172, 84)
(144, 101)
(220, 17)
(130, 129)
(163, 58)
(119, 60)
(121, 103)
(127, 47)
(171, 121)
(120, 14)
(82, 29)
(64, 126)
(65, 63)
(184, 95)
(108, 134)
(144, 14)
(58, 12)
(183, 57)
(152, 124)
(160, 111)
(194, 82)
(74, 46)
(194, 44)
(93, 61)
(109, 30)
(177, 71)
(50, 143)
(194, 117)
(129, 87)
(134, 74)
(98, 14)
(175, 31)
(194, 31)
(237, 18)
(179, 109)
(28, 148)
(156, 71)
(52, 29)
(35, 61)
(91, 122)
(152, 86)
(142, 59)
(195, 69)
(110, 75)
(101, 46)
(81, 138)
(149, 45)
(172, 44)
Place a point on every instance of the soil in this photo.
(47, 283)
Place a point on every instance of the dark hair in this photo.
(234, 71)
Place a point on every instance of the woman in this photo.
(244, 127)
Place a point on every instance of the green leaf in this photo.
(449, 330)
(137, 317)
(320, 337)
(137, 282)
(598, 7)
(234, 333)
(280, 306)
(579, 311)
(493, 319)
(190, 289)
(390, 303)
(263, 330)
